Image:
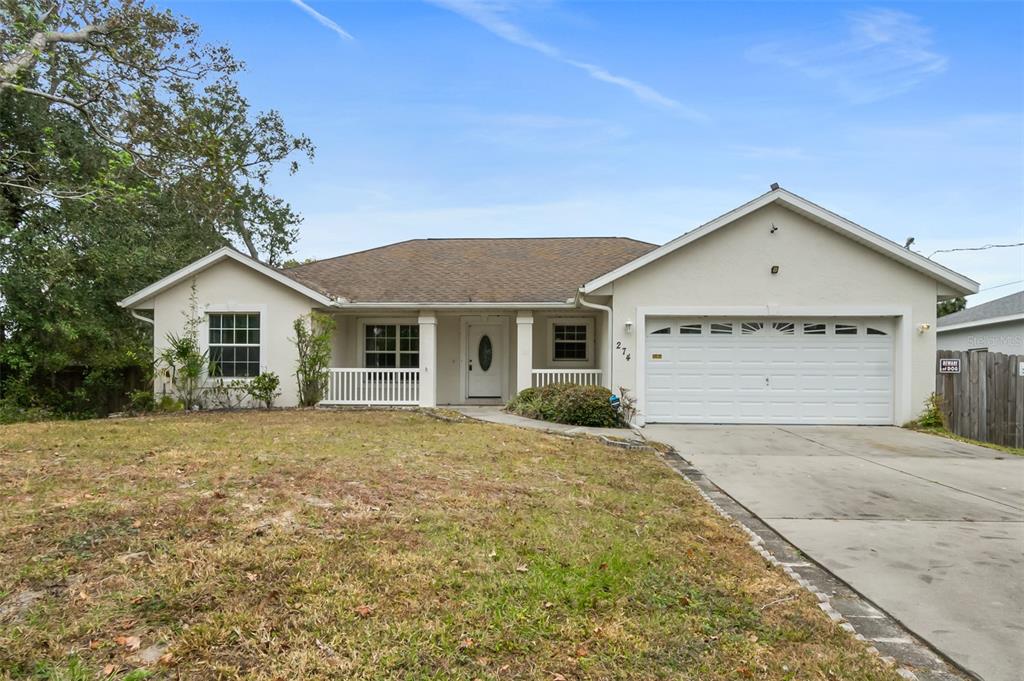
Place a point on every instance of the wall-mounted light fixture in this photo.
(775, 269)
(629, 326)
(923, 328)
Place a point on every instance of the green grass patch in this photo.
(379, 545)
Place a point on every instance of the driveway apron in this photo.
(932, 530)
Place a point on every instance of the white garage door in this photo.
(769, 371)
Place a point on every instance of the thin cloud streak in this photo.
(489, 17)
(322, 20)
(886, 53)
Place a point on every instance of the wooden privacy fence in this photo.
(985, 401)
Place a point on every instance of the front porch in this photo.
(453, 358)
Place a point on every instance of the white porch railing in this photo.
(373, 386)
(543, 377)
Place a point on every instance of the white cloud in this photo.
(324, 21)
(490, 16)
(886, 52)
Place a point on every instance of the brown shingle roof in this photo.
(470, 270)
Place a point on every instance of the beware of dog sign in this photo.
(950, 365)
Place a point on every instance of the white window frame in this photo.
(587, 362)
(230, 308)
(386, 321)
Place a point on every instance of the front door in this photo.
(484, 361)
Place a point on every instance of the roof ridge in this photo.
(461, 238)
(345, 255)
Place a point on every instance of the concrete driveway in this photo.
(930, 529)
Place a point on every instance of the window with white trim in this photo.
(234, 344)
(391, 346)
(570, 342)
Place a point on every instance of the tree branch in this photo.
(41, 42)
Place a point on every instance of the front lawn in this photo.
(367, 545)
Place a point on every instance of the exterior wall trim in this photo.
(457, 306)
(902, 411)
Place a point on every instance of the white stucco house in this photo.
(778, 311)
(995, 326)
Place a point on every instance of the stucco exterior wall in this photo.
(231, 287)
(1007, 338)
(818, 268)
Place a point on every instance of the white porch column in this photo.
(524, 350)
(428, 359)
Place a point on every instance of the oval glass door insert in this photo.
(485, 353)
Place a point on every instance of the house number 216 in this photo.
(624, 350)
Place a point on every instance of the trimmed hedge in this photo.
(577, 405)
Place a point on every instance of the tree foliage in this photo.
(950, 305)
(126, 151)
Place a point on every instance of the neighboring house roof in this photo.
(1006, 309)
(541, 270)
(225, 253)
(959, 283)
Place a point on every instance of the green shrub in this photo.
(313, 346)
(141, 401)
(169, 404)
(12, 412)
(526, 403)
(932, 416)
(578, 405)
(264, 389)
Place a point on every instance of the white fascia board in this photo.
(212, 259)
(453, 306)
(958, 282)
(981, 322)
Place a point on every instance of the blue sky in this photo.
(466, 118)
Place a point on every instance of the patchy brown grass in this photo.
(365, 545)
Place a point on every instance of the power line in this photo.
(975, 248)
(1009, 283)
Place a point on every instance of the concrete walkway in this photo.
(498, 415)
(932, 530)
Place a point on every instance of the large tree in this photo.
(126, 150)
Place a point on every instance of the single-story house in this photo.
(778, 311)
(995, 326)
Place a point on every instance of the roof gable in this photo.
(812, 211)
(225, 253)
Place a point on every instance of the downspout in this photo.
(608, 310)
(136, 315)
